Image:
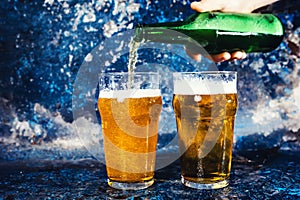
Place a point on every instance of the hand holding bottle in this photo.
(239, 6)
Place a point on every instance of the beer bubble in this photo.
(120, 99)
(197, 98)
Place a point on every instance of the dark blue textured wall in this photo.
(44, 43)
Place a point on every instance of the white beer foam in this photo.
(204, 87)
(130, 93)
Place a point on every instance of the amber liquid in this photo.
(130, 131)
(205, 126)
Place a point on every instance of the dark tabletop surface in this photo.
(271, 175)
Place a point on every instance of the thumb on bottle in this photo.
(204, 6)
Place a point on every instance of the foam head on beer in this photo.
(204, 86)
(120, 95)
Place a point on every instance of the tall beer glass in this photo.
(205, 105)
(130, 106)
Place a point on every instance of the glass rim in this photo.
(207, 72)
(128, 73)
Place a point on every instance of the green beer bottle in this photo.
(217, 32)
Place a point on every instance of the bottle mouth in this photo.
(138, 33)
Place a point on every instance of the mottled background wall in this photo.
(44, 43)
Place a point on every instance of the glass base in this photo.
(130, 186)
(206, 186)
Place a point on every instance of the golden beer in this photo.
(130, 131)
(205, 124)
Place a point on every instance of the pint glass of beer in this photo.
(205, 105)
(130, 106)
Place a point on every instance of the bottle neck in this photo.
(159, 34)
